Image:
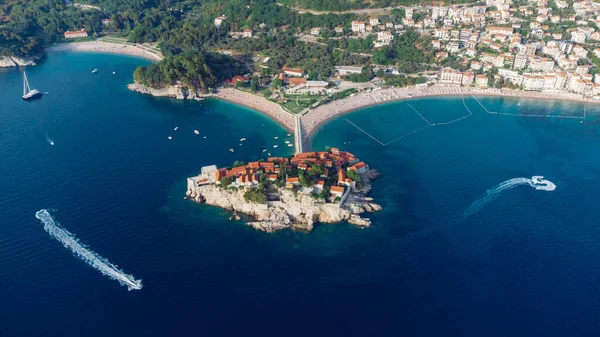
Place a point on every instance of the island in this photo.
(296, 192)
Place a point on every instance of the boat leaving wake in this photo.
(536, 182)
(81, 251)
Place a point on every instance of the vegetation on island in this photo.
(199, 70)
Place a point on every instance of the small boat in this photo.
(289, 134)
(114, 72)
(94, 71)
(240, 144)
(28, 93)
(287, 141)
(290, 145)
(265, 150)
(269, 153)
(275, 146)
(231, 150)
(170, 137)
(197, 132)
(204, 137)
(276, 138)
(243, 139)
(175, 129)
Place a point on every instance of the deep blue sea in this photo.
(526, 263)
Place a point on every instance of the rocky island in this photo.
(296, 192)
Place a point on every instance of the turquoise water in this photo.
(524, 264)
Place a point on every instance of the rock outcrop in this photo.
(14, 61)
(292, 210)
(177, 92)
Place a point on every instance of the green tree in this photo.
(254, 83)
(353, 175)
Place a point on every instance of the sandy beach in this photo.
(258, 103)
(313, 118)
(106, 47)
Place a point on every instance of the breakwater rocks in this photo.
(177, 92)
(286, 208)
(14, 61)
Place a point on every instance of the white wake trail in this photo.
(81, 251)
(536, 182)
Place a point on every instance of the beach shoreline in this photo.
(259, 104)
(314, 119)
(105, 47)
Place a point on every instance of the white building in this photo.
(481, 80)
(219, 20)
(373, 21)
(315, 31)
(578, 36)
(451, 76)
(567, 64)
(520, 61)
(358, 26)
(345, 70)
(533, 82)
(75, 34)
(541, 64)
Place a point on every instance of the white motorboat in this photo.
(197, 132)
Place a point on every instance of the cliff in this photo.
(289, 210)
(178, 92)
(14, 61)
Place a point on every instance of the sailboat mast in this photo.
(24, 83)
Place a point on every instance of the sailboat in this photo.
(29, 93)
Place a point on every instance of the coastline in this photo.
(105, 47)
(259, 104)
(314, 118)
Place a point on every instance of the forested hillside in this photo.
(344, 5)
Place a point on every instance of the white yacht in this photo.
(28, 93)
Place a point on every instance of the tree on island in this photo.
(353, 175)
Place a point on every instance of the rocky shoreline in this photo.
(177, 92)
(14, 61)
(288, 209)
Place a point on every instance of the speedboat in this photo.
(114, 72)
(290, 145)
(265, 150)
(537, 179)
(94, 71)
(275, 146)
(289, 134)
(243, 139)
(287, 141)
(170, 137)
(276, 138)
(204, 137)
(197, 132)
(231, 150)
(175, 129)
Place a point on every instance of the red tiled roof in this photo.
(336, 189)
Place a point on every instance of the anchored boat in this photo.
(28, 93)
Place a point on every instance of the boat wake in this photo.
(536, 182)
(49, 140)
(81, 251)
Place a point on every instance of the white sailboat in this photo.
(29, 93)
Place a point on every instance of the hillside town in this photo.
(549, 46)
